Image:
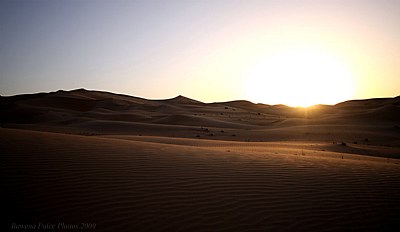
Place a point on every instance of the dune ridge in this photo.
(374, 122)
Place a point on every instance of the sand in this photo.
(131, 164)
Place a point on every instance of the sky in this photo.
(297, 53)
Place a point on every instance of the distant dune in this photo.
(371, 122)
(132, 164)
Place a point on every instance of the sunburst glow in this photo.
(299, 77)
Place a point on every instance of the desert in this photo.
(200, 115)
(123, 163)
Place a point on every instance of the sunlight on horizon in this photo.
(299, 77)
(296, 53)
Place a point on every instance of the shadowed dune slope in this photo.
(125, 185)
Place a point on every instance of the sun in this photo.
(299, 77)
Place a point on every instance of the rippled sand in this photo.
(138, 183)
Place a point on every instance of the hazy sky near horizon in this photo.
(263, 51)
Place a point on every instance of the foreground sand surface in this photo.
(127, 184)
(131, 164)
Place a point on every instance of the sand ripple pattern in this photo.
(138, 186)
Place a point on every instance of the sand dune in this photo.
(144, 185)
(132, 164)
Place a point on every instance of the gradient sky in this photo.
(207, 50)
